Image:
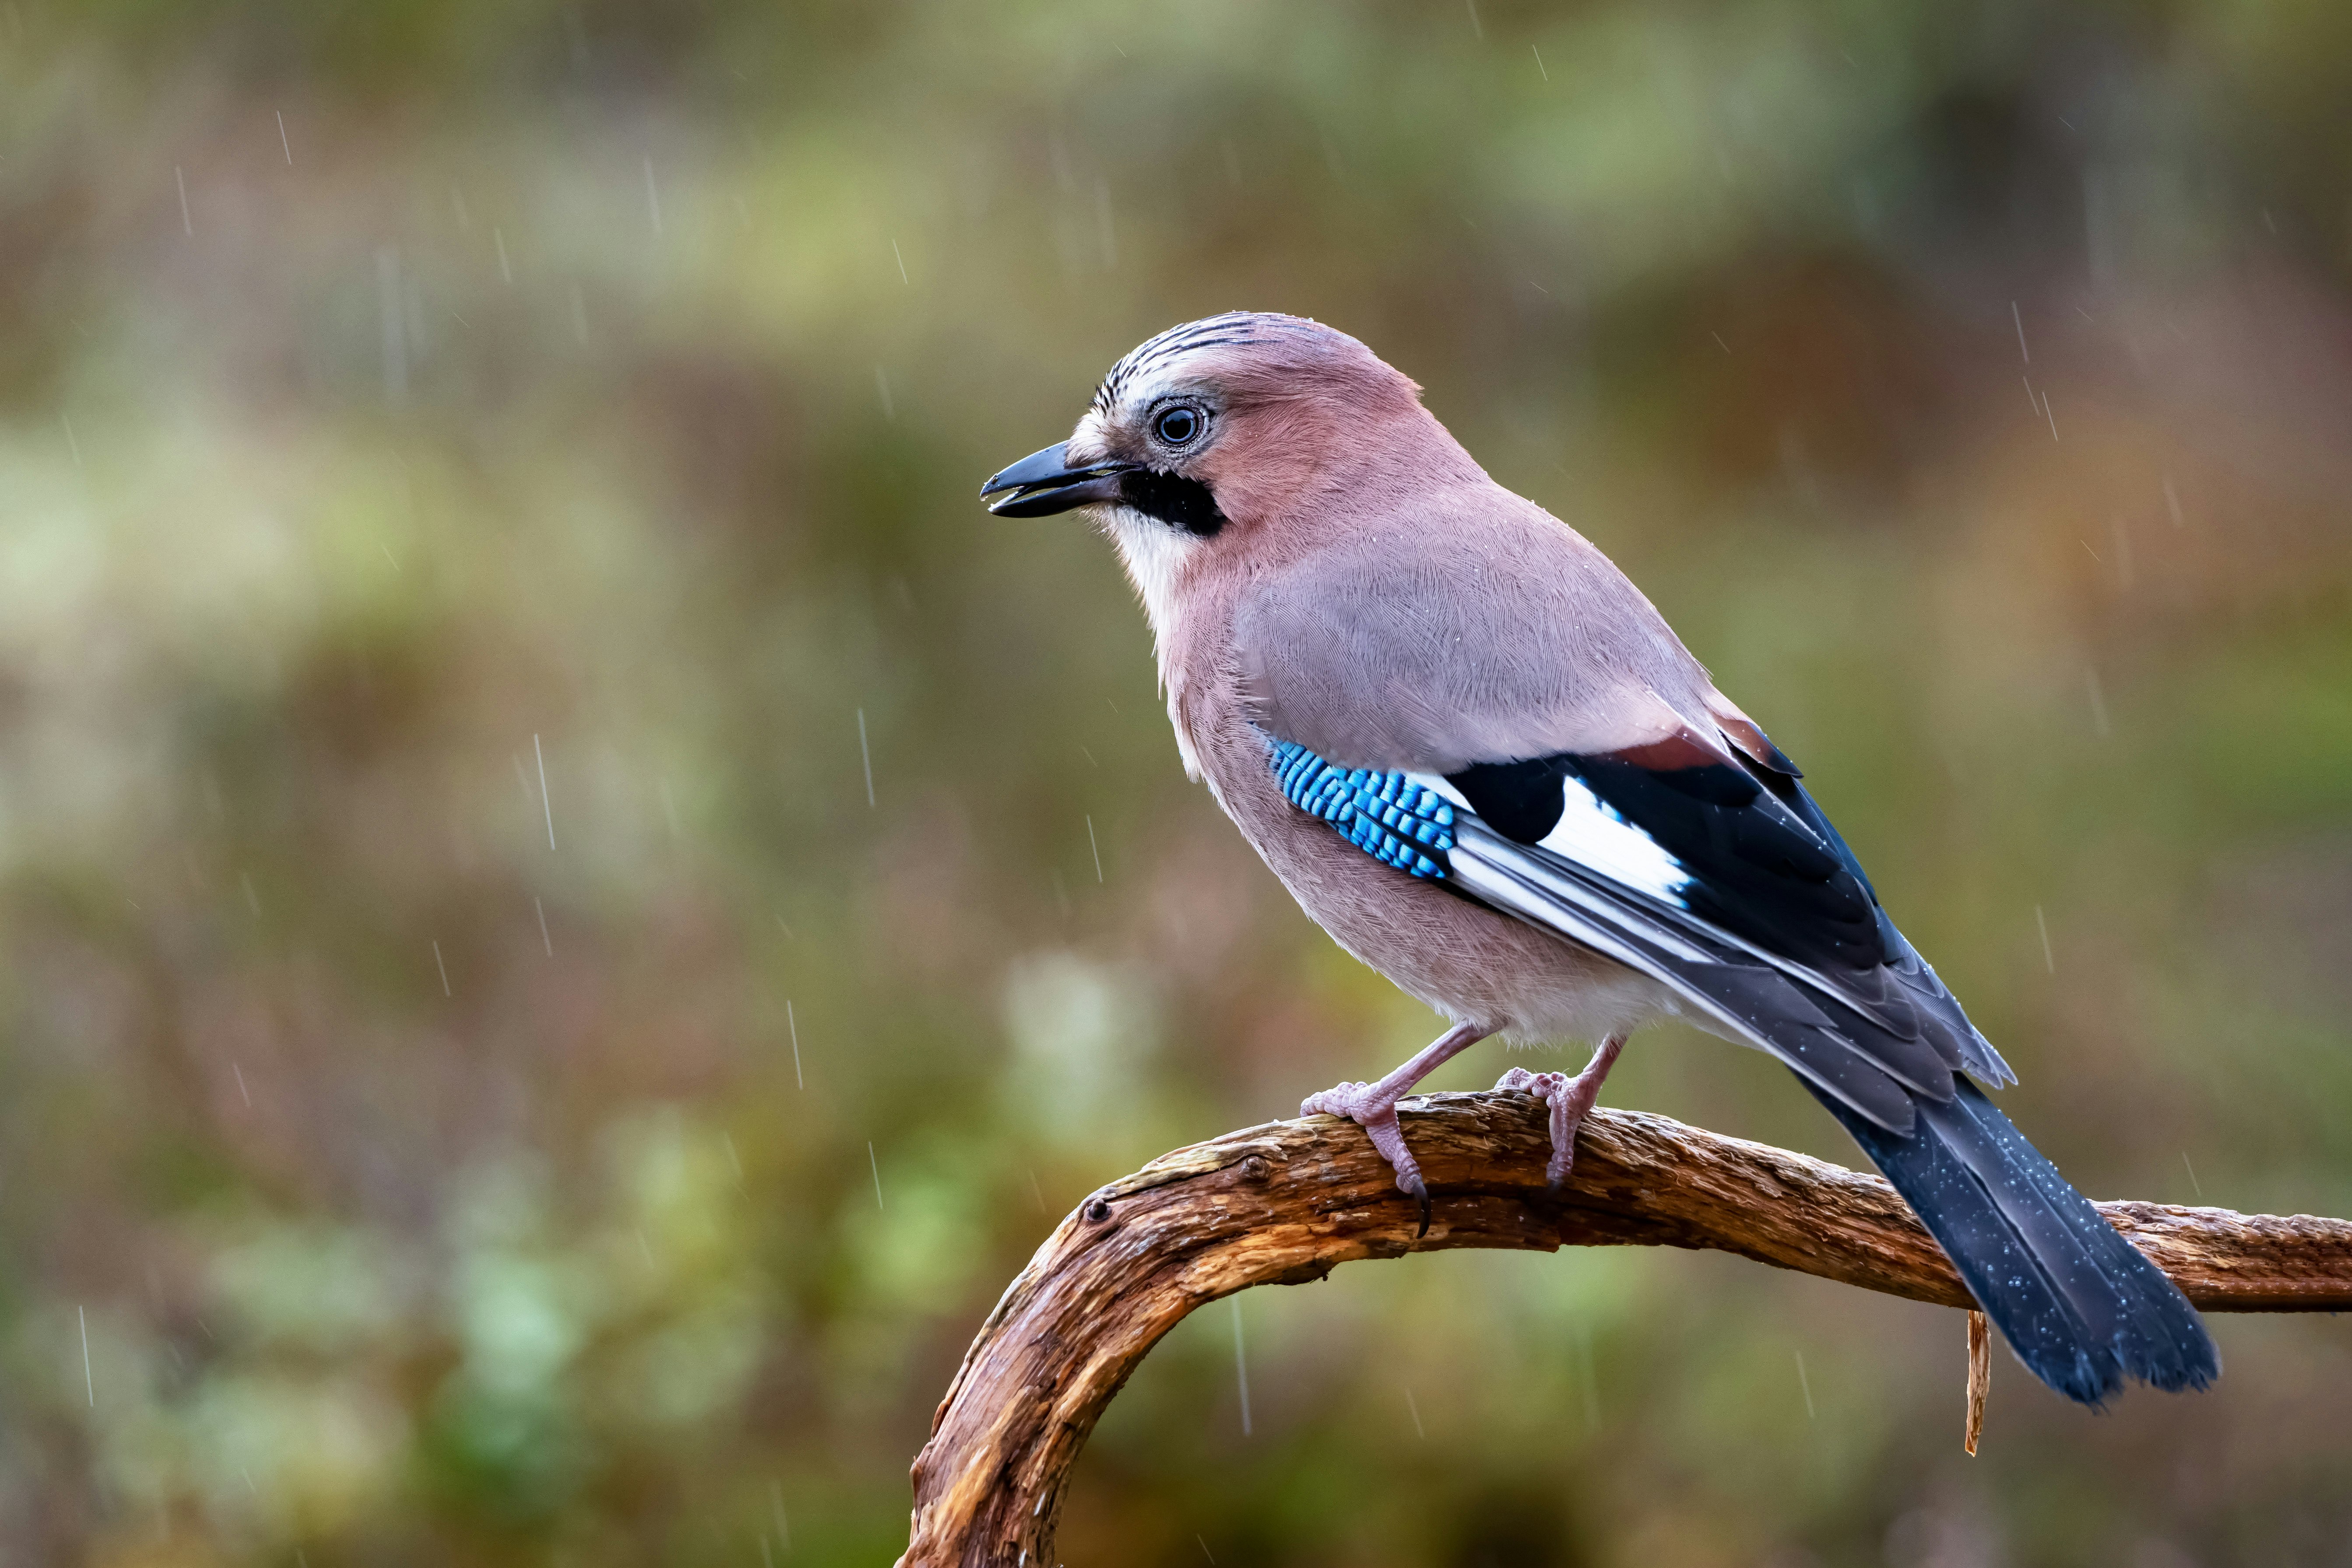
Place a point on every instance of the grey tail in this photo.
(2083, 1308)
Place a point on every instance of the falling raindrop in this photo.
(865, 756)
(1241, 1367)
(546, 804)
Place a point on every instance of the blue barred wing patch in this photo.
(1387, 815)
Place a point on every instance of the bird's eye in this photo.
(1177, 426)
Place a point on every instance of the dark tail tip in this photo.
(2082, 1308)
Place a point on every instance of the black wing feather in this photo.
(1766, 867)
(1779, 938)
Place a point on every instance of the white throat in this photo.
(1155, 555)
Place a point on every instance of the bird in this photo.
(1480, 759)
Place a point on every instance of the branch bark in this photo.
(1288, 1202)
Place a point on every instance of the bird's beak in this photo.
(1043, 483)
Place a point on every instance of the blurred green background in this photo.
(573, 909)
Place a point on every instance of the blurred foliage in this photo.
(572, 910)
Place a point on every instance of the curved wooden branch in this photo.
(1288, 1202)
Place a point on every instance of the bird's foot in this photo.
(1372, 1108)
(1570, 1099)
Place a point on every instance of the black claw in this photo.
(1421, 1193)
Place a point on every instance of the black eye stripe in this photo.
(1173, 499)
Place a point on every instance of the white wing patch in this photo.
(1591, 833)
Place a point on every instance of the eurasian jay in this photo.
(1481, 761)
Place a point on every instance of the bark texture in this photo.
(1288, 1202)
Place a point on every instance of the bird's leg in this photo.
(1372, 1105)
(1570, 1099)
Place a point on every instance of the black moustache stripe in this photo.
(1173, 499)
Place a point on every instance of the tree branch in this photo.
(1288, 1202)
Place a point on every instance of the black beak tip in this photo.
(1021, 503)
(1043, 483)
(1046, 466)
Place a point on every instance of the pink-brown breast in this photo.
(1461, 958)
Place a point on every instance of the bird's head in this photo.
(1207, 431)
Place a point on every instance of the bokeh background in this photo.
(572, 910)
